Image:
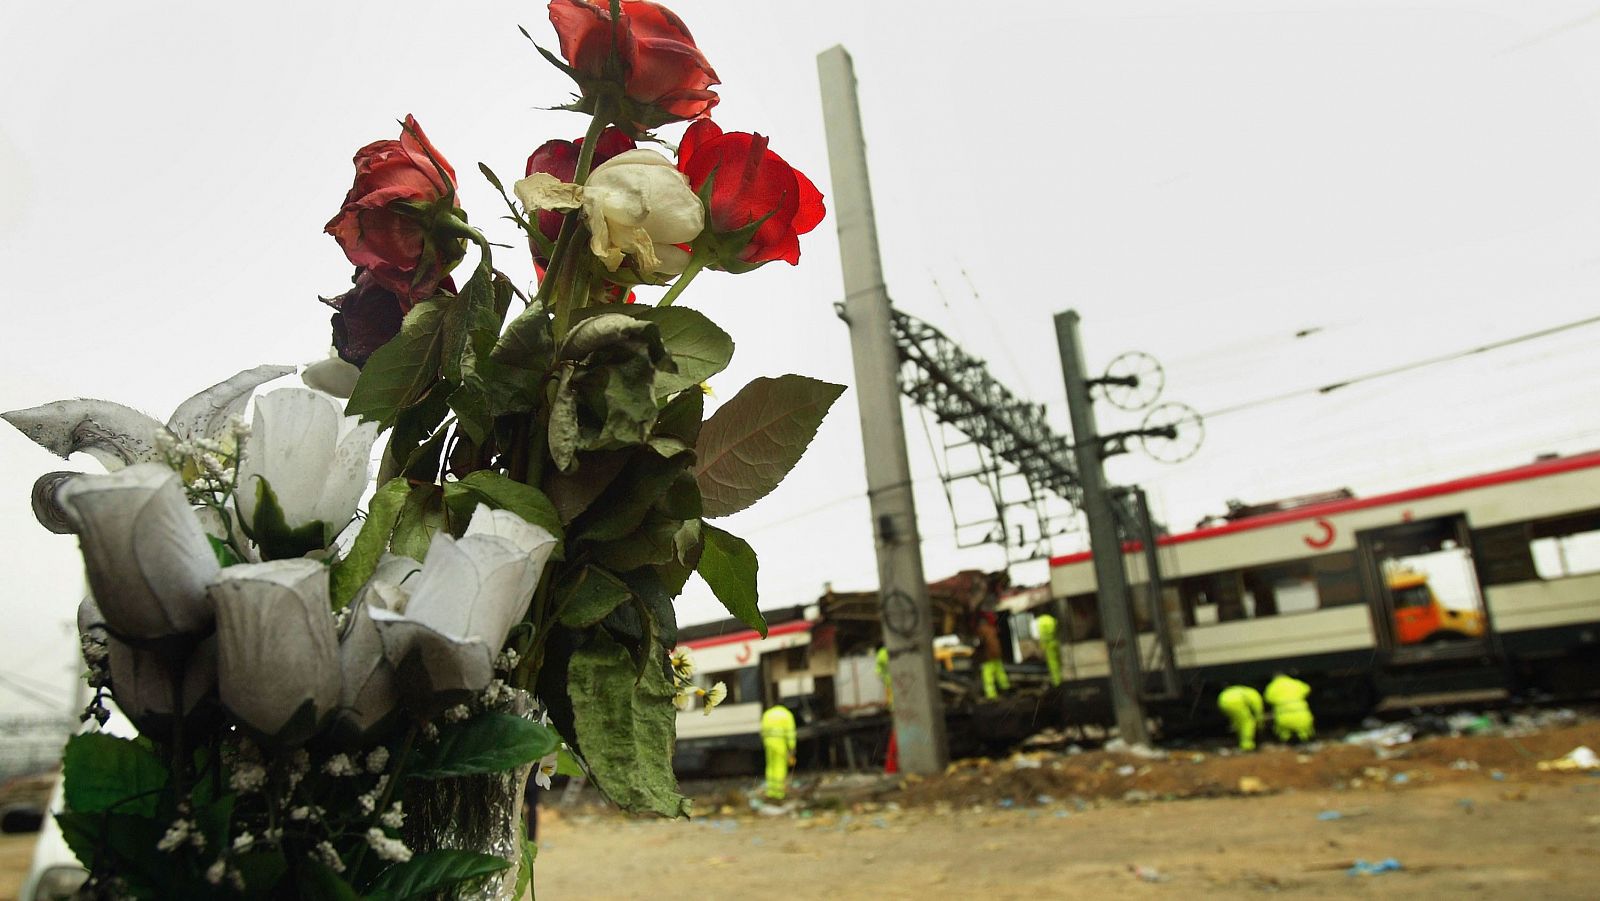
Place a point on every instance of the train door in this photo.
(1422, 582)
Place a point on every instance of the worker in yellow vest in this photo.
(777, 736)
(882, 666)
(1046, 624)
(1291, 713)
(1241, 704)
(991, 666)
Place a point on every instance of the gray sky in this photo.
(1200, 180)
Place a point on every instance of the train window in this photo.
(1281, 588)
(744, 685)
(1213, 598)
(1569, 546)
(798, 660)
(1505, 554)
(1338, 581)
(1083, 618)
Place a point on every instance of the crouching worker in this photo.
(1291, 712)
(777, 737)
(1241, 704)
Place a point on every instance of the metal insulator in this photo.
(46, 507)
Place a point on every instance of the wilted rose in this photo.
(636, 204)
(559, 159)
(750, 184)
(389, 223)
(649, 54)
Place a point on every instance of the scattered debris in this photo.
(1399, 778)
(1362, 868)
(1125, 770)
(1464, 765)
(1383, 736)
(1250, 785)
(1330, 815)
(1580, 758)
(1118, 746)
(1146, 874)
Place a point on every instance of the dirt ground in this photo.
(1462, 816)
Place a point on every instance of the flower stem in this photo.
(695, 265)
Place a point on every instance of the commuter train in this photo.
(1486, 586)
(1477, 589)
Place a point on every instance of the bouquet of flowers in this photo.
(335, 703)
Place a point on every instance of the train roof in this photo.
(1536, 470)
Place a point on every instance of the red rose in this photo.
(560, 159)
(751, 182)
(664, 76)
(395, 245)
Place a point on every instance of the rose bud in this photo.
(758, 205)
(147, 557)
(277, 652)
(399, 220)
(647, 64)
(636, 204)
(311, 461)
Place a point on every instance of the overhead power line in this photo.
(1402, 368)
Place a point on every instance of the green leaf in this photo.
(421, 516)
(625, 726)
(433, 871)
(488, 743)
(566, 764)
(317, 882)
(272, 533)
(471, 406)
(470, 326)
(652, 543)
(729, 566)
(223, 551)
(100, 772)
(400, 371)
(624, 505)
(351, 572)
(747, 447)
(122, 843)
(500, 492)
(588, 596)
(681, 417)
(527, 343)
(698, 347)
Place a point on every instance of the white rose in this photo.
(277, 652)
(147, 558)
(636, 203)
(313, 457)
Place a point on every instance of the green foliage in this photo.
(526, 343)
(223, 551)
(625, 725)
(315, 881)
(488, 743)
(273, 534)
(101, 772)
(433, 871)
(587, 596)
(399, 372)
(351, 572)
(420, 517)
(729, 566)
(499, 492)
(606, 395)
(698, 347)
(751, 442)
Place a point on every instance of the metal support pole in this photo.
(907, 617)
(1122, 642)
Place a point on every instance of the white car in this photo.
(56, 873)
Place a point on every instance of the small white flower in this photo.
(303, 812)
(328, 855)
(388, 848)
(682, 666)
(507, 661)
(216, 871)
(547, 768)
(457, 713)
(275, 834)
(378, 760)
(339, 765)
(394, 817)
(247, 778)
(430, 732)
(715, 696)
(684, 698)
(176, 835)
(243, 841)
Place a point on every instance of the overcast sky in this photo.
(1202, 181)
